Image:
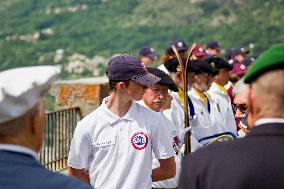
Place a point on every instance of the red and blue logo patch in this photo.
(139, 140)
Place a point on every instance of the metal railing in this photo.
(59, 129)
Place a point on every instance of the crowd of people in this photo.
(136, 138)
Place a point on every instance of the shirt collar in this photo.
(199, 95)
(180, 95)
(18, 148)
(221, 88)
(112, 118)
(268, 120)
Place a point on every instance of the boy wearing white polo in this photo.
(112, 146)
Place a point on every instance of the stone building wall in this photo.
(85, 93)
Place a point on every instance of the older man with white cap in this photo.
(22, 121)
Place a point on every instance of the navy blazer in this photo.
(18, 170)
(255, 161)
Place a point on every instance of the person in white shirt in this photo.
(155, 98)
(209, 120)
(219, 93)
(112, 146)
(176, 112)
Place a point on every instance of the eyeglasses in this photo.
(242, 107)
(158, 91)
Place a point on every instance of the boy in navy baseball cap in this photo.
(120, 129)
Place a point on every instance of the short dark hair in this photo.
(112, 84)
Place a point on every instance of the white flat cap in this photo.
(21, 88)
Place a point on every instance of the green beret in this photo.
(272, 58)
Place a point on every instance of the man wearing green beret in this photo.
(255, 161)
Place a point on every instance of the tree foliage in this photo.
(106, 27)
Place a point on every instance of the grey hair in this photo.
(15, 126)
(239, 87)
(268, 93)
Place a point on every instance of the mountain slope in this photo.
(32, 30)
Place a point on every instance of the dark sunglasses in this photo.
(242, 107)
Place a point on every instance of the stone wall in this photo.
(85, 93)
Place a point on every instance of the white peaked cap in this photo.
(21, 88)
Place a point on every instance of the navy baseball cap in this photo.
(148, 52)
(218, 63)
(229, 53)
(179, 44)
(126, 67)
(241, 51)
(165, 78)
(172, 64)
(247, 61)
(213, 45)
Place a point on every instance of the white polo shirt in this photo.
(224, 104)
(118, 151)
(176, 143)
(203, 127)
(176, 115)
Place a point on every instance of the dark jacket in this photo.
(256, 161)
(22, 171)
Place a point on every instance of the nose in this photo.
(161, 96)
(239, 114)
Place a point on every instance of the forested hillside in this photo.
(34, 32)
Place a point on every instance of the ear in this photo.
(37, 125)
(250, 103)
(120, 85)
(178, 77)
(34, 120)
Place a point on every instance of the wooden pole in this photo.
(183, 68)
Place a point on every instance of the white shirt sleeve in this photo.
(80, 149)
(162, 139)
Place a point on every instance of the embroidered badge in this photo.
(139, 140)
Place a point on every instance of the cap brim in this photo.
(230, 67)
(239, 72)
(199, 54)
(169, 83)
(147, 80)
(173, 87)
(215, 72)
(247, 51)
(181, 49)
(152, 56)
